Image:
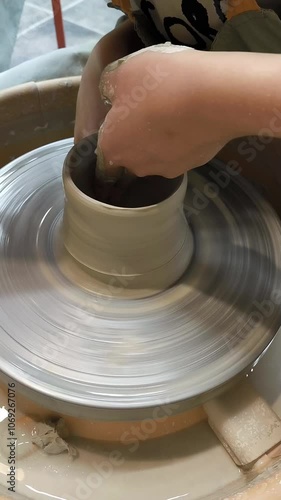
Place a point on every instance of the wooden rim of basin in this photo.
(36, 113)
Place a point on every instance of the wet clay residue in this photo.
(51, 438)
(126, 192)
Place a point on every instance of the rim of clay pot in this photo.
(71, 188)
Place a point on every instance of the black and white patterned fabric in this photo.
(183, 22)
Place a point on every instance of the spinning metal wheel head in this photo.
(67, 338)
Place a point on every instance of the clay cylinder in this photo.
(143, 247)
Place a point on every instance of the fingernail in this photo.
(114, 65)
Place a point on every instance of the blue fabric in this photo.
(57, 64)
(10, 14)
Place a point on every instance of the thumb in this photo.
(108, 81)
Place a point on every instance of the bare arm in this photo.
(193, 104)
(90, 110)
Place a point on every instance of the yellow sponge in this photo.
(236, 7)
(244, 423)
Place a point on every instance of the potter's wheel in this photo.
(66, 337)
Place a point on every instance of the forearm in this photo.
(120, 42)
(90, 108)
(240, 92)
(259, 84)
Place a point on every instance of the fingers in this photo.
(106, 171)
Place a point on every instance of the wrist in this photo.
(247, 92)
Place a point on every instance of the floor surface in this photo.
(83, 21)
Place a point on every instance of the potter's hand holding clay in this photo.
(174, 109)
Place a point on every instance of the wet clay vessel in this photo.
(143, 242)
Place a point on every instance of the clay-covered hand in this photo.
(166, 117)
(174, 110)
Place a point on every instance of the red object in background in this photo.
(58, 23)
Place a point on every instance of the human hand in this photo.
(165, 118)
(175, 111)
